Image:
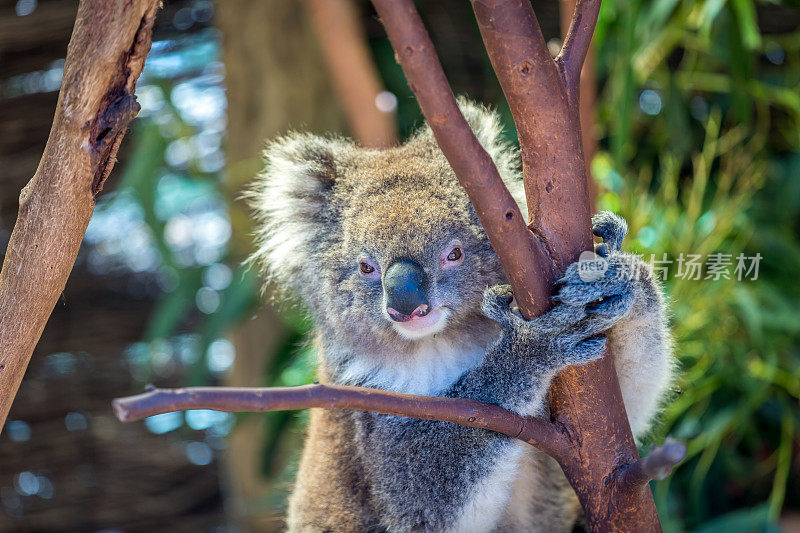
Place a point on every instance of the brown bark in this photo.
(105, 57)
(343, 45)
(496, 208)
(544, 107)
(657, 465)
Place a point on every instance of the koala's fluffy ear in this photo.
(291, 201)
(488, 128)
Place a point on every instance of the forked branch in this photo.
(543, 103)
(547, 124)
(576, 44)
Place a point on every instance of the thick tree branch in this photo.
(576, 44)
(546, 436)
(104, 59)
(499, 214)
(656, 465)
(343, 45)
(544, 106)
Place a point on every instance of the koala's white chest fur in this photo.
(490, 499)
(429, 368)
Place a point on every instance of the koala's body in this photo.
(386, 251)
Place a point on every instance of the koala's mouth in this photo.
(418, 326)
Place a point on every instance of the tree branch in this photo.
(576, 44)
(343, 45)
(546, 436)
(499, 214)
(104, 59)
(656, 465)
(552, 156)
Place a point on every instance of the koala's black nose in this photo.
(405, 285)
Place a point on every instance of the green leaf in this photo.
(748, 23)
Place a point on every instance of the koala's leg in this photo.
(330, 493)
(542, 500)
(431, 476)
(640, 340)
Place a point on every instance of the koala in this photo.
(407, 295)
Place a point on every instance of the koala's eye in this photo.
(452, 255)
(368, 269)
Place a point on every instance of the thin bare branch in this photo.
(656, 465)
(587, 100)
(535, 431)
(576, 44)
(343, 45)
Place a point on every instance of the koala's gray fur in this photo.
(322, 205)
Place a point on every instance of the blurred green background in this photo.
(697, 125)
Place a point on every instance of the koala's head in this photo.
(383, 246)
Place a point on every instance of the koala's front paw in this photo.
(497, 305)
(609, 292)
(566, 335)
(612, 229)
(612, 283)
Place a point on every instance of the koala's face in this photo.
(413, 258)
(382, 245)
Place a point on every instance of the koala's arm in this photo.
(426, 475)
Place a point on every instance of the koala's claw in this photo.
(611, 228)
(603, 295)
(586, 351)
(614, 305)
(582, 342)
(602, 249)
(497, 304)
